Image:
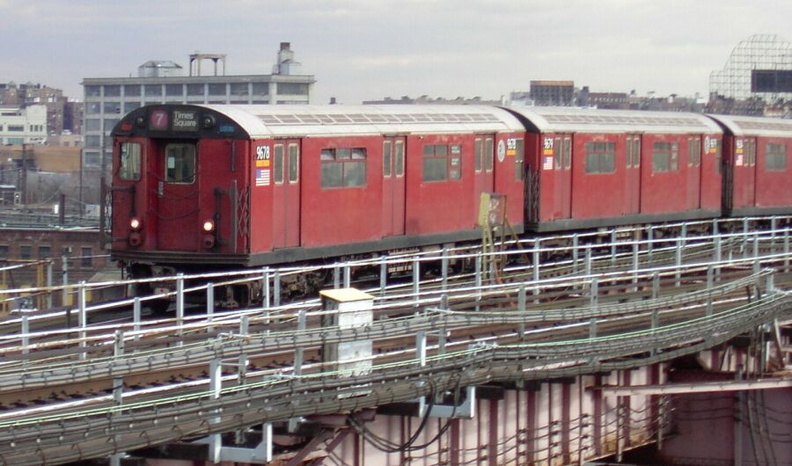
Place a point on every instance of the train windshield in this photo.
(129, 166)
(180, 163)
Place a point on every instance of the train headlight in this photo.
(208, 240)
(135, 224)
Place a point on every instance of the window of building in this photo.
(93, 140)
(152, 90)
(343, 167)
(112, 90)
(93, 108)
(195, 89)
(25, 252)
(665, 157)
(260, 89)
(174, 90)
(292, 88)
(86, 257)
(112, 107)
(442, 162)
(129, 106)
(217, 89)
(132, 90)
(239, 89)
(694, 152)
(3, 251)
(93, 91)
(600, 157)
(92, 158)
(44, 252)
(93, 124)
(277, 163)
(775, 158)
(180, 163)
(129, 163)
(16, 128)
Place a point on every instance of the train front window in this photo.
(180, 163)
(129, 163)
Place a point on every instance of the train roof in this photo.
(755, 126)
(587, 120)
(318, 120)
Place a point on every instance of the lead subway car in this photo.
(199, 188)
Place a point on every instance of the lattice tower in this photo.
(759, 52)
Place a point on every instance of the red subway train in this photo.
(212, 187)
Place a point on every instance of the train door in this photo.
(175, 171)
(286, 194)
(694, 173)
(562, 171)
(484, 166)
(393, 186)
(632, 189)
(747, 171)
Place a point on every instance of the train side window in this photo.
(129, 161)
(294, 163)
(665, 157)
(567, 153)
(600, 157)
(775, 157)
(180, 163)
(489, 154)
(629, 151)
(750, 152)
(694, 152)
(399, 158)
(386, 159)
(442, 162)
(519, 159)
(557, 149)
(479, 158)
(277, 164)
(636, 152)
(343, 167)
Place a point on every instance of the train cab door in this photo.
(484, 164)
(286, 194)
(175, 178)
(562, 171)
(632, 189)
(694, 173)
(393, 186)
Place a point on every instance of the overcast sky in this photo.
(370, 49)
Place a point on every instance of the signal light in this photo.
(208, 226)
(135, 224)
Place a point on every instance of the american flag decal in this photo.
(262, 177)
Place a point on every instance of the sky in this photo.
(371, 49)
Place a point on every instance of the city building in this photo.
(108, 99)
(61, 113)
(553, 93)
(26, 125)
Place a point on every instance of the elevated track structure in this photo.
(564, 355)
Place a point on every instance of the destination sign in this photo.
(185, 120)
